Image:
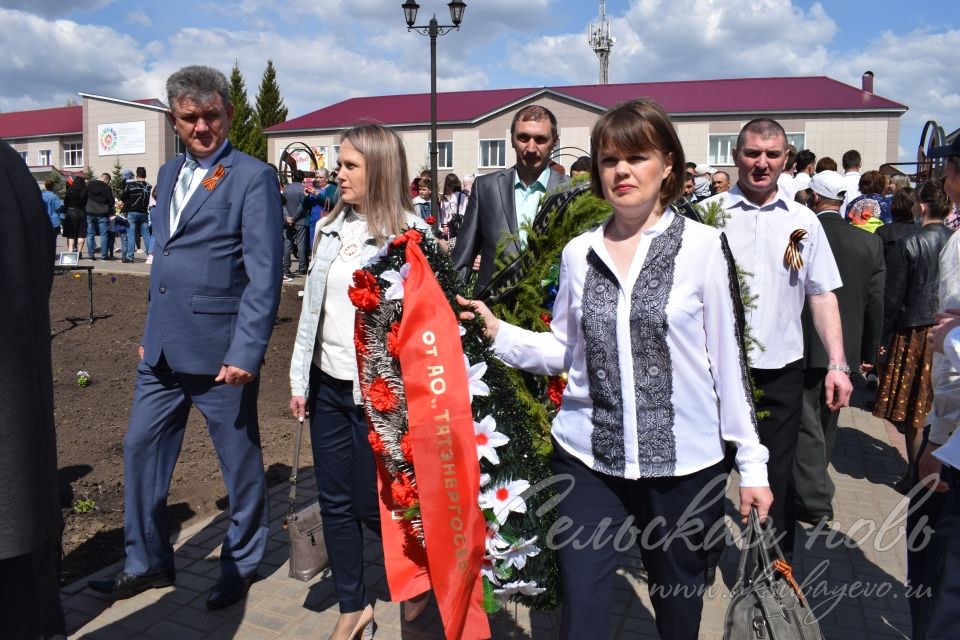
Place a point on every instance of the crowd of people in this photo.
(846, 271)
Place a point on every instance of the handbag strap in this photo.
(296, 464)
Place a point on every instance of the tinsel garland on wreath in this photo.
(536, 581)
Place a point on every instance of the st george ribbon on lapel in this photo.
(180, 195)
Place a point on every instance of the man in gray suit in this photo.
(500, 202)
(214, 293)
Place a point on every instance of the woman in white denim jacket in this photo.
(373, 206)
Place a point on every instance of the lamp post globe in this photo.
(410, 9)
(457, 8)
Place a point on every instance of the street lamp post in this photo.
(433, 29)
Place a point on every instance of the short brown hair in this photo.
(901, 208)
(638, 125)
(763, 127)
(826, 163)
(536, 113)
(871, 182)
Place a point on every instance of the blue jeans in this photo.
(141, 221)
(97, 226)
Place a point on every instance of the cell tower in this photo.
(601, 42)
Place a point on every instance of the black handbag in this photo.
(766, 602)
(308, 551)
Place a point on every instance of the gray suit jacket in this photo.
(491, 215)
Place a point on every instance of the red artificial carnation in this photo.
(382, 396)
(406, 447)
(376, 442)
(430, 220)
(403, 492)
(359, 340)
(555, 387)
(393, 340)
(545, 317)
(365, 292)
(411, 235)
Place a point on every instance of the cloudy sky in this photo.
(328, 50)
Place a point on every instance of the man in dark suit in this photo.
(214, 293)
(30, 520)
(500, 202)
(859, 256)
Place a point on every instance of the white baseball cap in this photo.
(704, 168)
(829, 184)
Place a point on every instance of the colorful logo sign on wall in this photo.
(121, 138)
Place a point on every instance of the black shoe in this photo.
(126, 260)
(126, 585)
(302, 273)
(228, 590)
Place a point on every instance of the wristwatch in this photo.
(839, 367)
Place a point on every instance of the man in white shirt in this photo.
(501, 202)
(937, 565)
(851, 171)
(781, 244)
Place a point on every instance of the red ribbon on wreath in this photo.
(444, 450)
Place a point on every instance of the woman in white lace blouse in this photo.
(648, 324)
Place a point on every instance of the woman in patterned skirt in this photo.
(910, 302)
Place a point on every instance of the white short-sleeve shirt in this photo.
(758, 238)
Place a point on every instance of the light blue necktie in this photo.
(180, 194)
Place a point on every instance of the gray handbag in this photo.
(308, 551)
(766, 602)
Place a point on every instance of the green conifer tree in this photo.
(270, 108)
(243, 126)
(116, 178)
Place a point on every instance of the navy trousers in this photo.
(161, 403)
(346, 482)
(597, 507)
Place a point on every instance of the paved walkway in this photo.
(853, 577)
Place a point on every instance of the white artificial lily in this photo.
(515, 555)
(396, 280)
(484, 479)
(504, 499)
(474, 374)
(489, 571)
(522, 587)
(488, 438)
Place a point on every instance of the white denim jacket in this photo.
(326, 250)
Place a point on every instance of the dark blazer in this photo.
(29, 501)
(892, 232)
(491, 215)
(859, 256)
(215, 284)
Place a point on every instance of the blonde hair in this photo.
(387, 200)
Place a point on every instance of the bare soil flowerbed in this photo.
(92, 420)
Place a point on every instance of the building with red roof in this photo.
(819, 113)
(95, 134)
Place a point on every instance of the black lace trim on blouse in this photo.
(599, 323)
(739, 325)
(652, 364)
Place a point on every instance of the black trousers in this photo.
(592, 515)
(346, 482)
(30, 594)
(817, 436)
(783, 398)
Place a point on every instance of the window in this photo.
(43, 157)
(23, 156)
(73, 155)
(797, 140)
(444, 155)
(335, 160)
(493, 153)
(721, 149)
